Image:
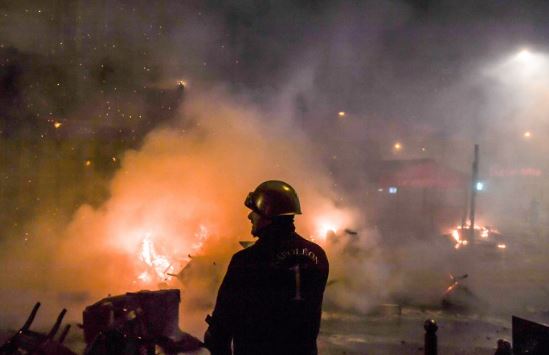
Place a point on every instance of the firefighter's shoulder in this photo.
(243, 255)
(312, 246)
(302, 249)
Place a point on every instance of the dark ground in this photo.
(344, 333)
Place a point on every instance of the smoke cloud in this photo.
(182, 191)
(265, 83)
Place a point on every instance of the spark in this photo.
(57, 124)
(341, 114)
(88, 163)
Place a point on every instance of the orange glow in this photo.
(158, 264)
(483, 232)
(179, 197)
(325, 228)
(330, 220)
(451, 287)
(456, 235)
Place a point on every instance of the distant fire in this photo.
(456, 234)
(332, 222)
(325, 228)
(461, 236)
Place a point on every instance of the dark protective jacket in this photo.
(271, 297)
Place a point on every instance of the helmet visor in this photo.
(249, 202)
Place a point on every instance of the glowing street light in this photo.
(527, 134)
(524, 56)
(397, 146)
(341, 114)
(526, 64)
(523, 67)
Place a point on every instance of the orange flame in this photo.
(456, 235)
(158, 266)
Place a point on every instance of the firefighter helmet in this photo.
(274, 198)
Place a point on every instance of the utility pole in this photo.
(473, 193)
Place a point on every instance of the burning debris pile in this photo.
(478, 236)
(174, 212)
(160, 267)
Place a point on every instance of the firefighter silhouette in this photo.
(270, 299)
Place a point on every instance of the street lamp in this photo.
(524, 56)
(526, 63)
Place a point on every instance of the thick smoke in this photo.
(437, 76)
(183, 191)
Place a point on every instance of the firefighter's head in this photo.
(270, 201)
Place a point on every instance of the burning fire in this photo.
(159, 267)
(183, 176)
(325, 228)
(331, 221)
(456, 235)
(483, 233)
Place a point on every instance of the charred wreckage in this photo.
(139, 323)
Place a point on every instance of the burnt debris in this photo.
(136, 323)
(27, 341)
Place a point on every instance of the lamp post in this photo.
(474, 182)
